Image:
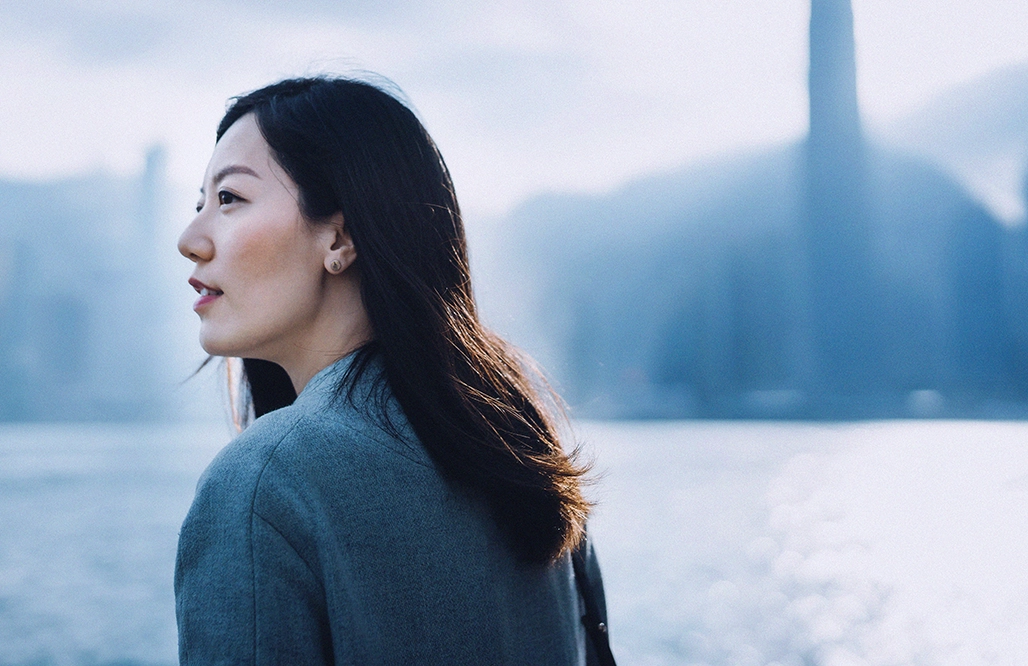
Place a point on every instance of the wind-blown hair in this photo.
(354, 149)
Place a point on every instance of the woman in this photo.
(402, 496)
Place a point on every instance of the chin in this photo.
(217, 345)
(215, 350)
(230, 344)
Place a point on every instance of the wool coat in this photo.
(321, 535)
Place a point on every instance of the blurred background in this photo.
(773, 254)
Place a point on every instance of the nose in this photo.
(194, 244)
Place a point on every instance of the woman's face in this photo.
(260, 266)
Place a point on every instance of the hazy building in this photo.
(834, 224)
(830, 278)
(80, 302)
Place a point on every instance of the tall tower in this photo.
(832, 83)
(835, 222)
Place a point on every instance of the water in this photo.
(722, 543)
(90, 518)
(791, 545)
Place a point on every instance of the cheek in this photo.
(277, 269)
(264, 253)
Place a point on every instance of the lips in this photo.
(208, 294)
(204, 289)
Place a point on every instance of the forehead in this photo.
(242, 144)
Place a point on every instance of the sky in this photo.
(522, 96)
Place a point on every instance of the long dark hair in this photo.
(355, 149)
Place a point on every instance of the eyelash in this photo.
(224, 199)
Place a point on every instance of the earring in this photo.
(336, 266)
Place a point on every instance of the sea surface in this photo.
(776, 544)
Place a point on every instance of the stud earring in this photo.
(336, 266)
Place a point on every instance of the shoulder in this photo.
(238, 467)
(300, 450)
(227, 489)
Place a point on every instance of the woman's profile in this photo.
(400, 494)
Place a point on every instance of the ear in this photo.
(339, 250)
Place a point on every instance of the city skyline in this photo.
(588, 122)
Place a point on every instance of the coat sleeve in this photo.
(243, 595)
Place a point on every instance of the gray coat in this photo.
(317, 537)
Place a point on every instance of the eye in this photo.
(225, 198)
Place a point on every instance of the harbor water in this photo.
(721, 543)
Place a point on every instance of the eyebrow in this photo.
(229, 170)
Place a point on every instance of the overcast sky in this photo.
(521, 95)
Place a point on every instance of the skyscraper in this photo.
(835, 228)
